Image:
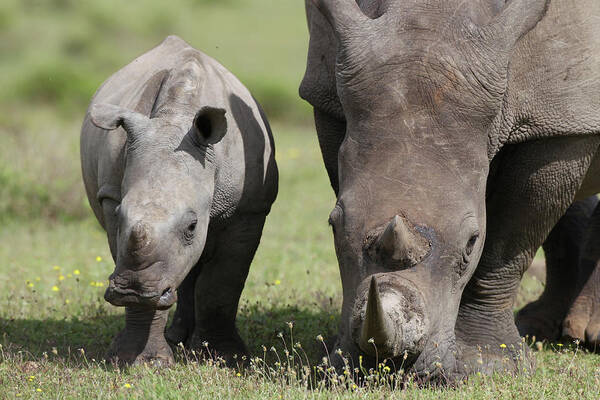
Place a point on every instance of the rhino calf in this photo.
(179, 169)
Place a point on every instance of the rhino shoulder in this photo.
(554, 76)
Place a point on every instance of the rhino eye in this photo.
(471, 243)
(335, 216)
(192, 226)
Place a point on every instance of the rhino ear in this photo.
(110, 117)
(210, 124)
(516, 19)
(344, 16)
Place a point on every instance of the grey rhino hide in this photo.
(178, 165)
(455, 135)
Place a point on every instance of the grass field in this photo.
(55, 325)
(54, 259)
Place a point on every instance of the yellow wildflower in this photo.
(93, 283)
(98, 258)
(55, 288)
(30, 284)
(238, 374)
(503, 346)
(38, 390)
(76, 272)
(67, 301)
(56, 268)
(37, 279)
(61, 278)
(127, 385)
(69, 276)
(277, 282)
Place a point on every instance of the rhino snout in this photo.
(120, 294)
(390, 321)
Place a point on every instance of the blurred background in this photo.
(55, 53)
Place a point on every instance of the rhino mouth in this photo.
(129, 297)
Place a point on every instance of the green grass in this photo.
(294, 278)
(54, 323)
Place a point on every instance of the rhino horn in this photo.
(377, 329)
(139, 238)
(400, 243)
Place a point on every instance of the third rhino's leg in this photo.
(218, 290)
(530, 188)
(543, 318)
(331, 132)
(583, 319)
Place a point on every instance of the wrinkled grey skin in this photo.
(178, 165)
(456, 135)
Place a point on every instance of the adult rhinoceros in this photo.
(178, 164)
(456, 135)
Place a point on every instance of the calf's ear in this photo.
(210, 124)
(110, 117)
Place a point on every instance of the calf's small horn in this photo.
(139, 238)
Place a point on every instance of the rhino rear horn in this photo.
(401, 244)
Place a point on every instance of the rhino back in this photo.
(554, 76)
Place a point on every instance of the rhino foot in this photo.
(486, 359)
(540, 320)
(142, 340)
(126, 349)
(582, 322)
(230, 349)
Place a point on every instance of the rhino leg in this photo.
(543, 318)
(218, 289)
(142, 340)
(528, 192)
(583, 318)
(183, 320)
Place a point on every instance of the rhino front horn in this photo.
(401, 243)
(139, 238)
(377, 328)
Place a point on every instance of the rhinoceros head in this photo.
(166, 198)
(420, 85)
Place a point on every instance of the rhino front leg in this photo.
(528, 192)
(543, 318)
(143, 339)
(583, 319)
(183, 321)
(218, 290)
